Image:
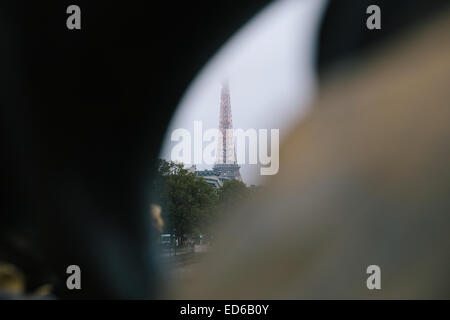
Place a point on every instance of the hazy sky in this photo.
(269, 66)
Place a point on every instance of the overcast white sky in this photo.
(269, 66)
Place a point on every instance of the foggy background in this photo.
(268, 63)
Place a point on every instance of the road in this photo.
(179, 267)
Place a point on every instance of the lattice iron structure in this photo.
(226, 165)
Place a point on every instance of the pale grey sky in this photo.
(269, 66)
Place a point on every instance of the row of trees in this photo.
(190, 206)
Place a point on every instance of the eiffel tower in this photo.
(226, 166)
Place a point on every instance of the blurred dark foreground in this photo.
(363, 180)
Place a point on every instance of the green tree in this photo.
(231, 194)
(189, 204)
(187, 201)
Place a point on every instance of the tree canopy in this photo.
(189, 204)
